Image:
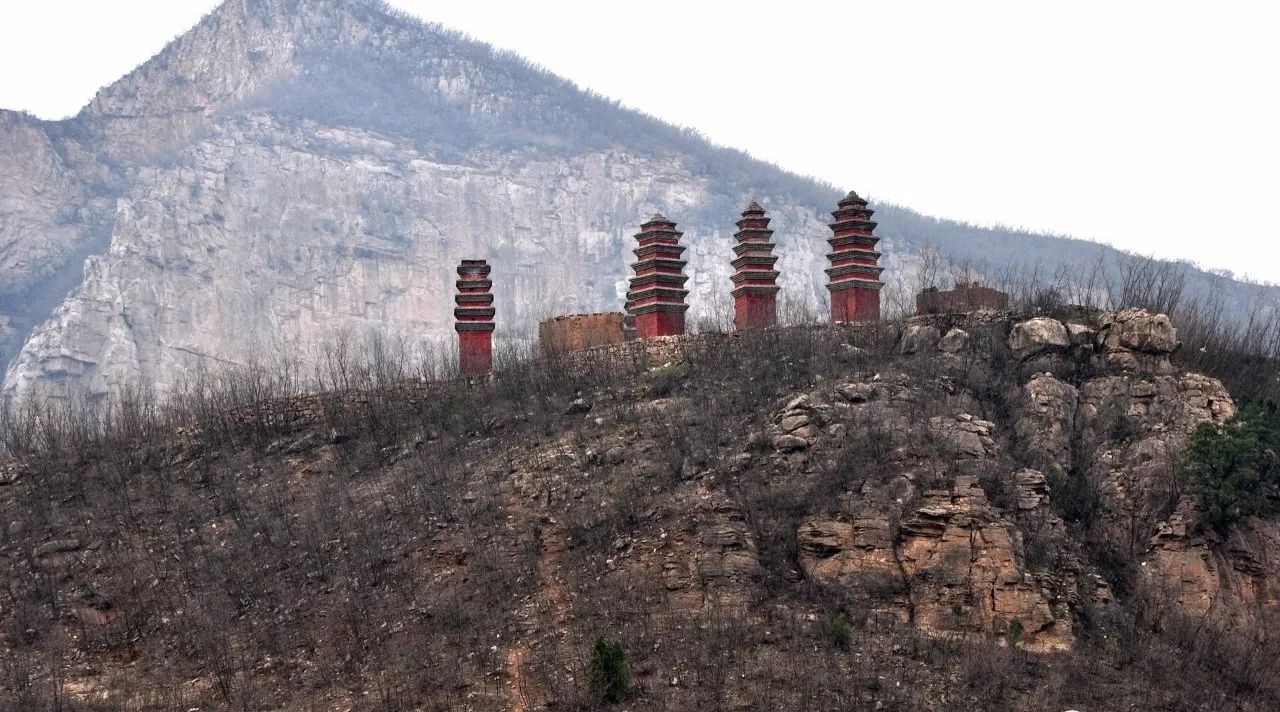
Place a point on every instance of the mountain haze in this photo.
(288, 171)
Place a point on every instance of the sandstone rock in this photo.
(1129, 433)
(955, 341)
(1136, 340)
(856, 392)
(955, 555)
(919, 338)
(794, 422)
(56, 546)
(1033, 490)
(1138, 330)
(799, 403)
(1045, 420)
(1081, 335)
(966, 576)
(789, 443)
(963, 435)
(1037, 336)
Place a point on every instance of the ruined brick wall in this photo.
(575, 332)
(964, 298)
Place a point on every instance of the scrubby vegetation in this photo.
(609, 671)
(1234, 469)
(461, 551)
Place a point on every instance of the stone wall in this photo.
(574, 332)
(964, 298)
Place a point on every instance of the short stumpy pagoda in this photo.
(657, 290)
(474, 318)
(854, 273)
(755, 288)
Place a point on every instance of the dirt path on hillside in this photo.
(547, 611)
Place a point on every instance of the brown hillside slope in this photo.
(792, 519)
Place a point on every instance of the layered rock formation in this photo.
(926, 542)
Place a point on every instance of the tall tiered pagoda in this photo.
(755, 281)
(474, 318)
(854, 274)
(657, 295)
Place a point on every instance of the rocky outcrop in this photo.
(1134, 339)
(1038, 336)
(1235, 580)
(962, 563)
(954, 567)
(964, 436)
(1045, 425)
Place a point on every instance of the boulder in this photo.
(1081, 335)
(791, 423)
(789, 443)
(1137, 340)
(1036, 336)
(964, 436)
(1137, 330)
(955, 341)
(919, 338)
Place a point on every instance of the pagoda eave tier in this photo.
(835, 272)
(665, 233)
(656, 278)
(474, 326)
(849, 254)
(754, 276)
(660, 263)
(754, 289)
(762, 258)
(474, 312)
(659, 307)
(853, 224)
(657, 247)
(844, 240)
(484, 284)
(473, 298)
(855, 283)
(639, 293)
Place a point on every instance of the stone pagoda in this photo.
(854, 274)
(474, 318)
(755, 281)
(657, 290)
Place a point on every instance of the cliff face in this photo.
(300, 233)
(239, 211)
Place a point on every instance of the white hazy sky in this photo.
(1151, 125)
